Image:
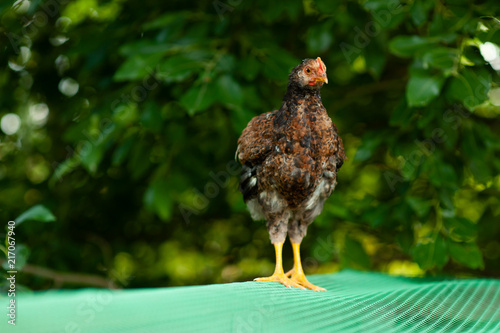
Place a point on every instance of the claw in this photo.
(302, 281)
(281, 278)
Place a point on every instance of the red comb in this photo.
(320, 64)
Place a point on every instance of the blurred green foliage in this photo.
(121, 118)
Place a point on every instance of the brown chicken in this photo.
(290, 160)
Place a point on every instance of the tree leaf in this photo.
(386, 13)
(370, 142)
(420, 206)
(158, 198)
(319, 37)
(402, 114)
(175, 19)
(122, 151)
(490, 22)
(470, 87)
(467, 254)
(229, 91)
(278, 63)
(65, 167)
(446, 202)
(139, 159)
(481, 170)
(442, 174)
(470, 145)
(178, 68)
(36, 213)
(405, 240)
(199, 97)
(473, 54)
(137, 67)
(442, 58)
(431, 254)
(145, 47)
(249, 67)
(423, 87)
(376, 59)
(460, 229)
(418, 12)
(326, 6)
(377, 215)
(151, 117)
(354, 255)
(407, 46)
(92, 151)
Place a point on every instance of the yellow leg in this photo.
(297, 273)
(279, 275)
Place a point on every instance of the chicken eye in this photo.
(308, 70)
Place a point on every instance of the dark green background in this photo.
(136, 166)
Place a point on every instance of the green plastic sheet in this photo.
(354, 302)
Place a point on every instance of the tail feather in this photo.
(248, 181)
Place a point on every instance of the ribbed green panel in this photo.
(354, 302)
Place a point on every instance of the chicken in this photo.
(290, 160)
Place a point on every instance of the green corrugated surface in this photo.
(354, 302)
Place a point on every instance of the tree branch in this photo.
(61, 278)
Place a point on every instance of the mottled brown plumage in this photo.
(290, 160)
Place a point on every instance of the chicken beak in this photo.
(322, 78)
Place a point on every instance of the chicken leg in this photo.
(279, 275)
(296, 274)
